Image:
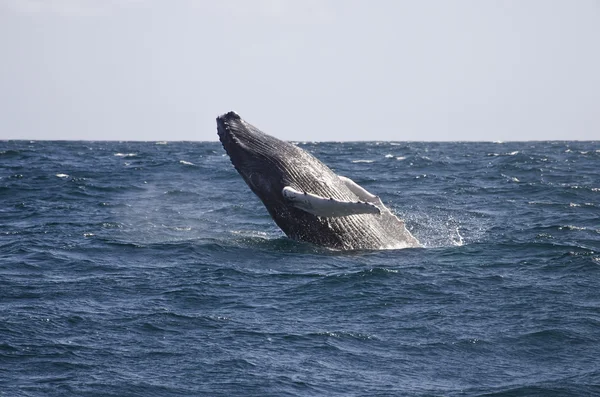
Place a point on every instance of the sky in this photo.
(306, 70)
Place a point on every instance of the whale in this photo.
(306, 199)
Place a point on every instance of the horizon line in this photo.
(166, 141)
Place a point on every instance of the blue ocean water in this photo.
(150, 269)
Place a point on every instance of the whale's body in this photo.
(305, 198)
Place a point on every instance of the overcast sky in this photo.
(300, 70)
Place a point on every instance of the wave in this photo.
(126, 154)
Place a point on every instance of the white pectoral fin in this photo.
(327, 207)
(360, 191)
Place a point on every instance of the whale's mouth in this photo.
(242, 141)
(226, 121)
(247, 147)
(233, 135)
(226, 124)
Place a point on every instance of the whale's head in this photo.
(262, 160)
(268, 165)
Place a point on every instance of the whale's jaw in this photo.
(249, 149)
(235, 137)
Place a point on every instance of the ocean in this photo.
(151, 269)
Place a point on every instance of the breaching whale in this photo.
(305, 198)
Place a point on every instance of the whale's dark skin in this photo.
(268, 164)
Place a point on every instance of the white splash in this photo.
(511, 178)
(125, 154)
(460, 241)
(363, 161)
(62, 175)
(182, 228)
(571, 227)
(186, 162)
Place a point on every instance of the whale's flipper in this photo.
(327, 207)
(360, 191)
